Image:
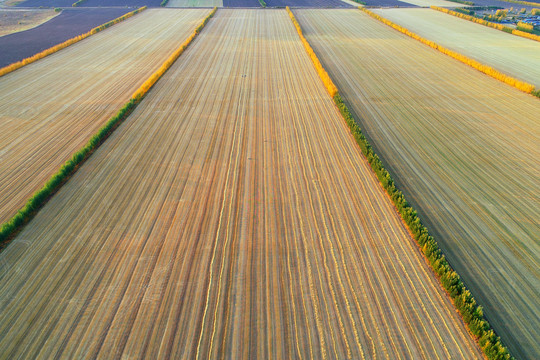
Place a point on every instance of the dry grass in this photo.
(15, 20)
(462, 147)
(513, 56)
(240, 220)
(49, 109)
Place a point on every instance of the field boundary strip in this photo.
(488, 70)
(19, 64)
(11, 227)
(471, 313)
(488, 23)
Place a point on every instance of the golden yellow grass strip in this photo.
(7, 69)
(488, 23)
(465, 303)
(332, 90)
(40, 197)
(488, 70)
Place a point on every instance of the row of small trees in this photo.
(471, 312)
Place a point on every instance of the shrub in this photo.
(525, 27)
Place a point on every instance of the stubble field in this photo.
(50, 108)
(231, 215)
(513, 55)
(464, 149)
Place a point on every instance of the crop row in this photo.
(488, 23)
(7, 69)
(488, 70)
(40, 197)
(470, 311)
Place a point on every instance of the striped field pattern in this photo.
(49, 109)
(232, 215)
(463, 148)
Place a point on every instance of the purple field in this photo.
(241, 3)
(390, 3)
(308, 3)
(90, 3)
(70, 23)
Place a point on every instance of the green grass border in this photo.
(10, 228)
(471, 313)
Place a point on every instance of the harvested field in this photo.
(512, 55)
(232, 214)
(45, 117)
(308, 3)
(69, 24)
(195, 3)
(15, 20)
(462, 146)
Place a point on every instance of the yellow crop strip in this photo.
(488, 23)
(40, 197)
(332, 89)
(7, 69)
(488, 70)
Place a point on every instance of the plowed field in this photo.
(464, 149)
(232, 215)
(50, 108)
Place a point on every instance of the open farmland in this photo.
(91, 3)
(232, 214)
(15, 20)
(308, 3)
(195, 3)
(464, 149)
(440, 3)
(69, 24)
(50, 108)
(513, 55)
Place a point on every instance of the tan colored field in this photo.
(15, 20)
(232, 215)
(464, 149)
(50, 108)
(513, 55)
(195, 3)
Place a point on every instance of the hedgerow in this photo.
(40, 197)
(7, 69)
(470, 311)
(488, 70)
(507, 29)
